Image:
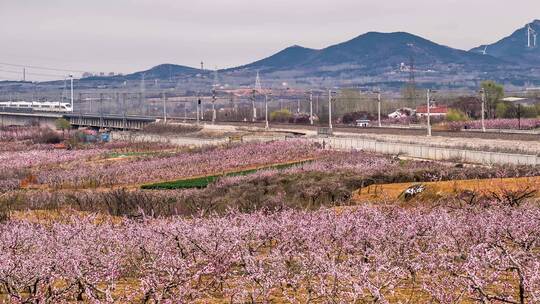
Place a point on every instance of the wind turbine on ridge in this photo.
(531, 36)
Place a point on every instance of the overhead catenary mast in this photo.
(214, 97)
(71, 79)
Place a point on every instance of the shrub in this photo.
(299, 118)
(47, 136)
(352, 117)
(4, 215)
(456, 115)
(525, 124)
(529, 112)
(502, 110)
(62, 124)
(280, 116)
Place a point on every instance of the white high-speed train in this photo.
(43, 106)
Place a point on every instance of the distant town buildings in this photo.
(401, 113)
(434, 111)
(100, 74)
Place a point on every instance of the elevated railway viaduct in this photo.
(109, 121)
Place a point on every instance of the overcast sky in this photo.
(131, 35)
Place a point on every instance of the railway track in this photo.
(399, 131)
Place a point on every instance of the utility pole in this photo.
(198, 106)
(202, 108)
(71, 80)
(317, 107)
(101, 110)
(124, 97)
(311, 107)
(330, 109)
(428, 113)
(164, 96)
(379, 108)
(266, 111)
(81, 108)
(24, 74)
(213, 106)
(483, 109)
(143, 92)
(253, 106)
(519, 116)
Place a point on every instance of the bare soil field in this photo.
(480, 187)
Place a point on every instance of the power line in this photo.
(31, 73)
(9, 78)
(40, 67)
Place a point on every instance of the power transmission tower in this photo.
(410, 90)
(258, 85)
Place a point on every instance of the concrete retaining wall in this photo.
(349, 144)
(426, 152)
(180, 141)
(188, 141)
(260, 138)
(14, 119)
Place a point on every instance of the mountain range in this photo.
(515, 48)
(372, 51)
(378, 55)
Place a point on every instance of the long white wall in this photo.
(427, 152)
(174, 140)
(187, 141)
(355, 143)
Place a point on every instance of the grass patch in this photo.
(203, 182)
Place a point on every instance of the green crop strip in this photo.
(203, 182)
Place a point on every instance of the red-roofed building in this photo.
(435, 111)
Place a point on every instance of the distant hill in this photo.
(370, 59)
(372, 50)
(164, 71)
(514, 48)
(289, 57)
